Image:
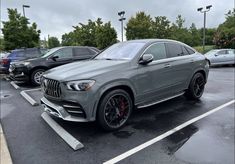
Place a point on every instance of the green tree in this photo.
(161, 27)
(139, 27)
(94, 33)
(105, 35)
(18, 33)
(225, 34)
(53, 42)
(1, 44)
(196, 39)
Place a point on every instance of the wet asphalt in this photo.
(210, 140)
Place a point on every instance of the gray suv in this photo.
(130, 74)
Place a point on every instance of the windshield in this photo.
(121, 51)
(51, 51)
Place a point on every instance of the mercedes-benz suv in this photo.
(125, 76)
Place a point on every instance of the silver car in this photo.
(221, 56)
(137, 73)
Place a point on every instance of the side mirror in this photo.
(54, 57)
(145, 59)
(216, 55)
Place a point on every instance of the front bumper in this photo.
(65, 111)
(3, 69)
(18, 73)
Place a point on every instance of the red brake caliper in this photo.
(122, 107)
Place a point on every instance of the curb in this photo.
(29, 98)
(68, 138)
(14, 85)
(5, 154)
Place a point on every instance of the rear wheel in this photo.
(196, 87)
(36, 76)
(114, 110)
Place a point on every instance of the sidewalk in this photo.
(5, 157)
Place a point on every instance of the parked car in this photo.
(221, 56)
(21, 54)
(130, 74)
(2, 55)
(31, 70)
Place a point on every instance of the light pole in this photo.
(121, 14)
(204, 26)
(25, 6)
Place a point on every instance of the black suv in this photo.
(31, 70)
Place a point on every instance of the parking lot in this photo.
(210, 139)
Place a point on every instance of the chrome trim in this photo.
(72, 111)
(60, 111)
(71, 106)
(157, 102)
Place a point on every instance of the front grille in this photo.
(51, 87)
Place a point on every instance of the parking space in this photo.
(31, 140)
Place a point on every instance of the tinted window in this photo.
(32, 53)
(185, 52)
(16, 54)
(81, 52)
(222, 52)
(190, 51)
(157, 50)
(174, 50)
(92, 51)
(64, 53)
(230, 51)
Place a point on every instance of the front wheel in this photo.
(36, 76)
(114, 110)
(196, 87)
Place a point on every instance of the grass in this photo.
(207, 48)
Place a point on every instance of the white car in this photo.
(221, 56)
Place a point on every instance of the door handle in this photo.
(167, 65)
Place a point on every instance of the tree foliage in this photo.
(94, 33)
(18, 32)
(53, 42)
(225, 34)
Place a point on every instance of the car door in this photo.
(153, 78)
(81, 53)
(219, 57)
(229, 57)
(60, 57)
(181, 63)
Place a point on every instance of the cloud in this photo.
(57, 17)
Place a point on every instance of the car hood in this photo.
(85, 69)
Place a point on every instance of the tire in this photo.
(36, 76)
(115, 106)
(196, 87)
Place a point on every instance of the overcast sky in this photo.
(56, 17)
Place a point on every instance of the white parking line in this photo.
(14, 85)
(28, 97)
(71, 141)
(164, 135)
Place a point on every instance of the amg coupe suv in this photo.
(130, 74)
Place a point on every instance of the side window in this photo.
(64, 53)
(92, 51)
(158, 51)
(230, 52)
(174, 50)
(81, 52)
(185, 52)
(190, 51)
(222, 52)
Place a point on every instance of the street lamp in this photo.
(121, 14)
(204, 27)
(25, 6)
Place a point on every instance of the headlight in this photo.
(81, 85)
(26, 63)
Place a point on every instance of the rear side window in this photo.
(190, 51)
(17, 54)
(174, 50)
(32, 53)
(231, 52)
(185, 52)
(158, 51)
(92, 51)
(81, 52)
(222, 52)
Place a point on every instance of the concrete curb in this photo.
(14, 85)
(68, 138)
(29, 98)
(5, 154)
